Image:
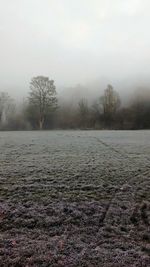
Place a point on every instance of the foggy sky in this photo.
(73, 41)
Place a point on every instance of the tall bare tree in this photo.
(42, 97)
(110, 102)
(83, 113)
(6, 107)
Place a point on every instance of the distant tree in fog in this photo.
(83, 113)
(140, 107)
(96, 113)
(110, 102)
(6, 107)
(42, 99)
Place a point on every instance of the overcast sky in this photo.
(72, 41)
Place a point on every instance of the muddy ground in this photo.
(75, 198)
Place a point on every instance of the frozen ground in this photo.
(75, 198)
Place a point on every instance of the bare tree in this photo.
(6, 107)
(42, 97)
(83, 113)
(110, 102)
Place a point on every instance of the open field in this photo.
(75, 198)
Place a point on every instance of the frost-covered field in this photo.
(75, 198)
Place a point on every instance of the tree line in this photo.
(42, 110)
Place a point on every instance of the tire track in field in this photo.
(112, 148)
(120, 206)
(111, 202)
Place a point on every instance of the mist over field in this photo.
(84, 47)
(74, 42)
